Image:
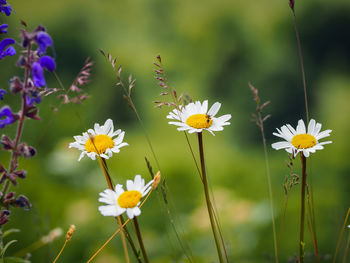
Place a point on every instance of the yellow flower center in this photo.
(199, 121)
(99, 144)
(129, 199)
(303, 141)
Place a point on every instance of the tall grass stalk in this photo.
(259, 120)
(341, 236)
(207, 196)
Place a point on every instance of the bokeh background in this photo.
(211, 50)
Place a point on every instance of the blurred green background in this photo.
(211, 50)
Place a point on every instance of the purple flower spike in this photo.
(10, 51)
(43, 40)
(48, 63)
(3, 28)
(6, 116)
(38, 75)
(2, 93)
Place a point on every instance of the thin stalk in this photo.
(59, 254)
(139, 237)
(346, 248)
(300, 53)
(302, 208)
(207, 196)
(341, 236)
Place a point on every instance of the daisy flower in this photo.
(119, 201)
(299, 140)
(99, 141)
(195, 117)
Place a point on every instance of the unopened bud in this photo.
(70, 232)
(156, 180)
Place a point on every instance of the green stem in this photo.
(139, 237)
(302, 209)
(207, 197)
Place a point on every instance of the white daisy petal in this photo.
(323, 134)
(311, 126)
(204, 107)
(214, 109)
(136, 211)
(301, 127)
(130, 213)
(224, 118)
(280, 145)
(317, 129)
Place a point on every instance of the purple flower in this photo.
(48, 63)
(38, 70)
(10, 51)
(38, 75)
(3, 28)
(30, 100)
(6, 116)
(43, 40)
(5, 8)
(2, 93)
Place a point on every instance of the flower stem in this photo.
(302, 209)
(139, 237)
(207, 196)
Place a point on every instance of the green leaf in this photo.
(15, 260)
(10, 231)
(2, 253)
